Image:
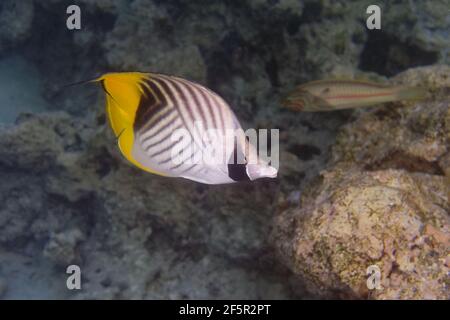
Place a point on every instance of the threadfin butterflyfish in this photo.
(177, 128)
(329, 95)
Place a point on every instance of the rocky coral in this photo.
(15, 23)
(360, 219)
(171, 238)
(217, 43)
(382, 201)
(67, 196)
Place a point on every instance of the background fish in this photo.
(328, 95)
(145, 109)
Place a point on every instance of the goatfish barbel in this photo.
(329, 95)
(146, 110)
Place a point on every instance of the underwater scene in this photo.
(224, 149)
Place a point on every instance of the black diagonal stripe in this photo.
(182, 96)
(178, 103)
(170, 146)
(160, 79)
(196, 100)
(164, 127)
(217, 104)
(157, 120)
(188, 107)
(164, 138)
(211, 108)
(182, 161)
(188, 169)
(183, 99)
(152, 101)
(181, 152)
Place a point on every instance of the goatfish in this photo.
(329, 95)
(157, 120)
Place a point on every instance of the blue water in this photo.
(20, 89)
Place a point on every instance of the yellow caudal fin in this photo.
(411, 93)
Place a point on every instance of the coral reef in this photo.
(383, 200)
(15, 23)
(67, 196)
(133, 235)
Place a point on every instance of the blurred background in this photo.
(68, 197)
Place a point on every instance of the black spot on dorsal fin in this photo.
(237, 171)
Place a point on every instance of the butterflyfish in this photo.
(173, 127)
(329, 95)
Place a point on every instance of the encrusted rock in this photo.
(61, 248)
(391, 219)
(150, 237)
(383, 201)
(16, 18)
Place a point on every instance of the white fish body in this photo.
(169, 129)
